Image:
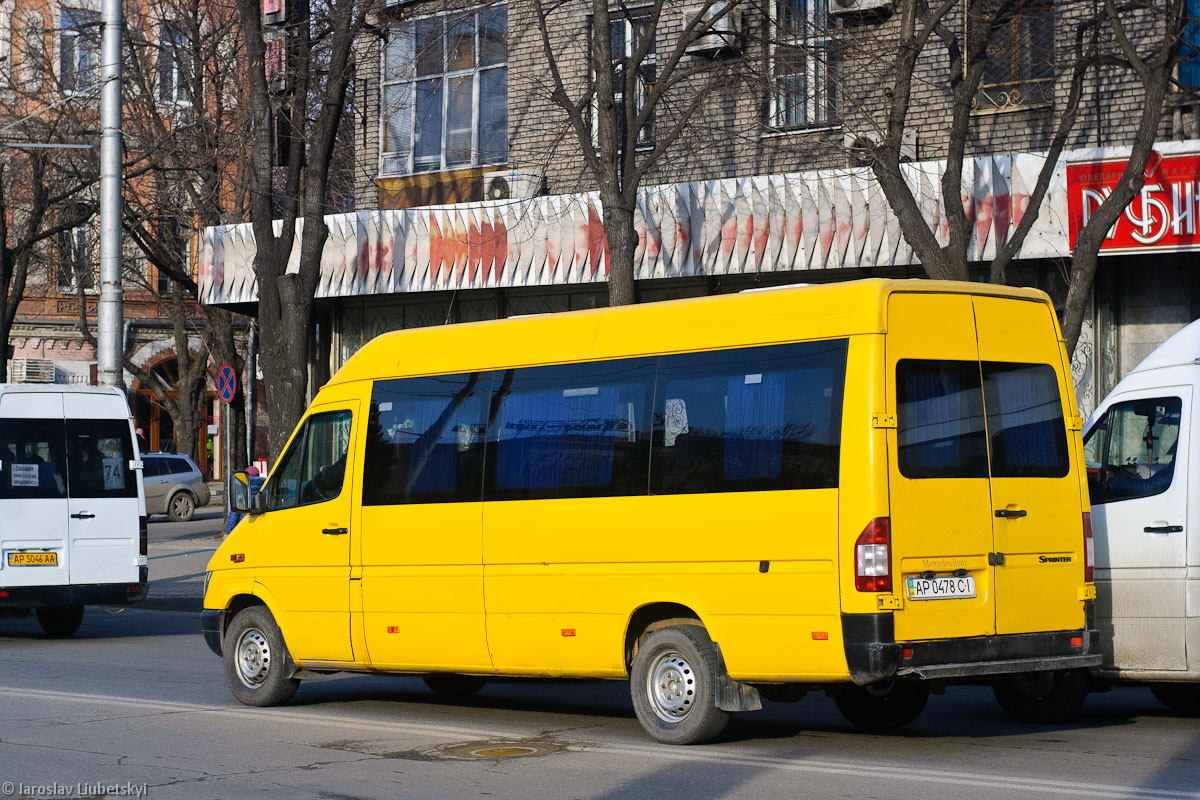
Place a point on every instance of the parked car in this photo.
(174, 486)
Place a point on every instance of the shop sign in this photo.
(1165, 216)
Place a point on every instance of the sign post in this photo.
(226, 389)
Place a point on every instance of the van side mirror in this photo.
(239, 493)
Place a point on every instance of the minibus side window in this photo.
(570, 430)
(749, 419)
(940, 424)
(98, 456)
(1139, 459)
(425, 440)
(314, 468)
(1025, 421)
(33, 463)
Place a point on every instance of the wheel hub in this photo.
(253, 658)
(671, 688)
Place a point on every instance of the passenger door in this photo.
(938, 473)
(33, 491)
(302, 542)
(1037, 510)
(1137, 474)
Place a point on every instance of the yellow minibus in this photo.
(867, 487)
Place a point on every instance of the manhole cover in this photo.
(503, 749)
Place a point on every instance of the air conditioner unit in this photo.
(720, 26)
(857, 145)
(512, 185)
(31, 370)
(858, 6)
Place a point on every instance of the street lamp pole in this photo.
(110, 348)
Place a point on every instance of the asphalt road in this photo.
(137, 703)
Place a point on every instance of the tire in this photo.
(60, 622)
(1182, 698)
(674, 686)
(1043, 698)
(882, 707)
(181, 507)
(256, 658)
(454, 687)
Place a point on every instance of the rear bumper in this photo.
(873, 654)
(108, 594)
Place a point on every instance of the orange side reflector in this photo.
(1076, 641)
(237, 558)
(568, 631)
(393, 628)
(820, 636)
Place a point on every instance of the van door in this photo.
(302, 542)
(938, 471)
(1138, 480)
(33, 491)
(1037, 510)
(103, 508)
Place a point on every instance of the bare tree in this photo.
(317, 68)
(962, 32)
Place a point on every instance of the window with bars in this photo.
(445, 92)
(626, 32)
(1020, 61)
(174, 70)
(804, 65)
(78, 49)
(77, 263)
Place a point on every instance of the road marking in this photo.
(709, 754)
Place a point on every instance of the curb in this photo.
(192, 604)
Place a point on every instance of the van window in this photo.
(425, 442)
(313, 469)
(570, 430)
(1025, 421)
(749, 419)
(32, 459)
(1130, 451)
(940, 424)
(98, 456)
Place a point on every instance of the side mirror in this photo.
(239, 493)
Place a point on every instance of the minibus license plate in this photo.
(33, 559)
(945, 587)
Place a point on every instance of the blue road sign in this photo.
(226, 383)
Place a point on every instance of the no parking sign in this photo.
(226, 383)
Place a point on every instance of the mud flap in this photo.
(733, 695)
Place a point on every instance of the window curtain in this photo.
(933, 413)
(431, 453)
(557, 438)
(754, 419)
(1024, 420)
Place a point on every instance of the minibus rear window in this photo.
(33, 462)
(940, 419)
(1025, 421)
(98, 456)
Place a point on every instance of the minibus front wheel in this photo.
(256, 659)
(674, 682)
(882, 706)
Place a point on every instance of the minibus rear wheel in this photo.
(1043, 698)
(884, 706)
(674, 686)
(60, 622)
(256, 659)
(1183, 698)
(453, 686)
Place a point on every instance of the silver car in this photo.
(174, 486)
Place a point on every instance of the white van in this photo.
(72, 508)
(1143, 463)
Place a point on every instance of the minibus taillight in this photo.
(873, 557)
(1089, 550)
(143, 537)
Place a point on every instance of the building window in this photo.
(33, 50)
(78, 49)
(174, 59)
(77, 261)
(626, 32)
(804, 65)
(445, 92)
(1020, 61)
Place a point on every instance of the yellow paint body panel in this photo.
(548, 587)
